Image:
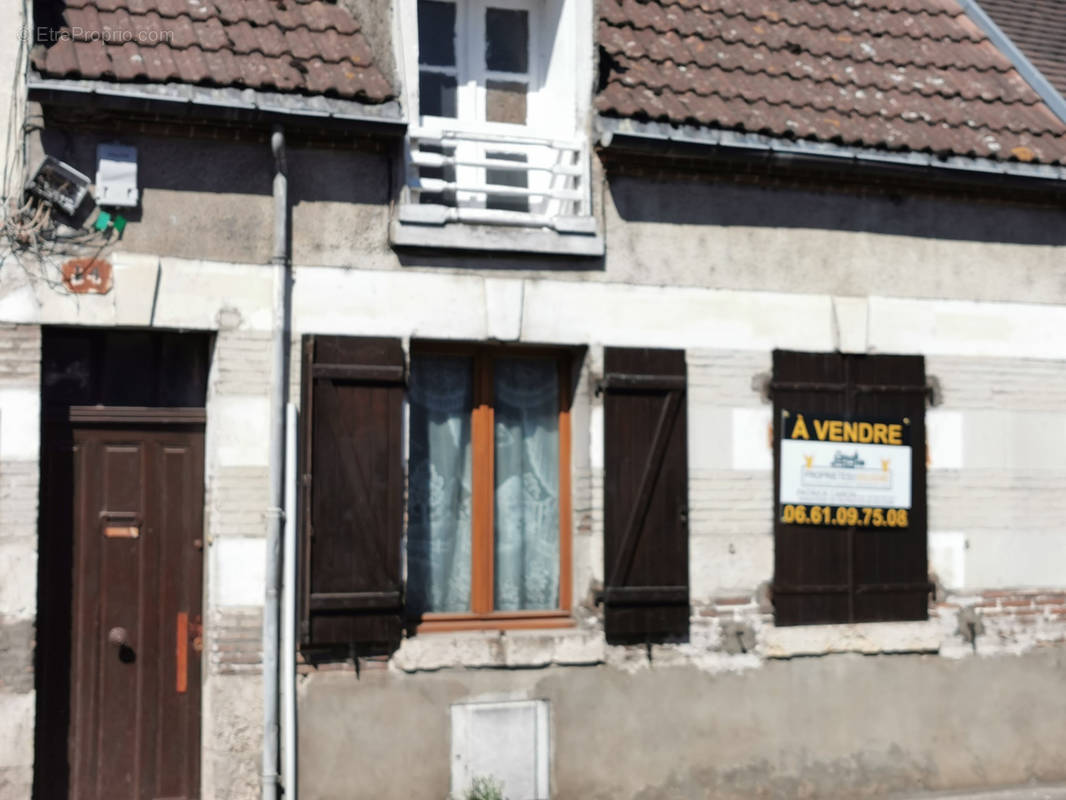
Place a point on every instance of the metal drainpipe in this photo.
(271, 611)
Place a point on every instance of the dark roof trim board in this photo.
(621, 133)
(227, 103)
(1025, 67)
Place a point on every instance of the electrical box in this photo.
(116, 175)
(59, 183)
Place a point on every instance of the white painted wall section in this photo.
(503, 309)
(238, 433)
(851, 315)
(238, 571)
(752, 446)
(947, 557)
(710, 433)
(20, 419)
(956, 327)
(1015, 558)
(944, 435)
(18, 580)
(16, 734)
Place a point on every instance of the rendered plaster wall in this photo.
(20, 359)
(210, 200)
(841, 726)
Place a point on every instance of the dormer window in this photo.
(475, 61)
(497, 92)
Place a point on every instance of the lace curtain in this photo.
(439, 484)
(526, 517)
(526, 461)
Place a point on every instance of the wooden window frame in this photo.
(482, 616)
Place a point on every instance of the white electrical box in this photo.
(506, 741)
(116, 175)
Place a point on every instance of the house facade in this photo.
(632, 399)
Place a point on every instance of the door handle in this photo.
(120, 638)
(181, 653)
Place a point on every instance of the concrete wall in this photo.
(660, 232)
(844, 726)
(727, 272)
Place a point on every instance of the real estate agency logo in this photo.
(43, 34)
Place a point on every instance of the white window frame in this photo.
(555, 136)
(472, 75)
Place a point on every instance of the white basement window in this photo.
(497, 134)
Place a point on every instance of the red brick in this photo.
(1026, 602)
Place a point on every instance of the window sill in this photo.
(459, 235)
(515, 648)
(869, 638)
(529, 620)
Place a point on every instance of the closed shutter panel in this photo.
(827, 574)
(352, 472)
(646, 594)
(891, 569)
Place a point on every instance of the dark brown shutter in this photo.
(646, 595)
(352, 473)
(833, 574)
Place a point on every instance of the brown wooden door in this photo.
(136, 637)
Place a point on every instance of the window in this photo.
(488, 511)
(499, 92)
(488, 489)
(476, 60)
(850, 518)
(477, 69)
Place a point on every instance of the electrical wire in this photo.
(32, 234)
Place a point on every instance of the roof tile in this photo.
(311, 47)
(159, 63)
(127, 62)
(1038, 28)
(92, 57)
(892, 74)
(191, 65)
(270, 41)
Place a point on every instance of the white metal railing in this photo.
(490, 178)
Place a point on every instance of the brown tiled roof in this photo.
(276, 45)
(1038, 28)
(890, 74)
